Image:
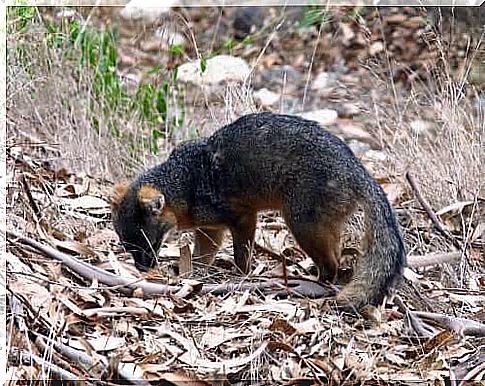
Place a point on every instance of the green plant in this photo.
(176, 49)
(95, 50)
(229, 43)
(315, 15)
(20, 16)
(203, 64)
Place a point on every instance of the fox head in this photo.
(141, 219)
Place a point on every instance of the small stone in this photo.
(323, 117)
(68, 14)
(358, 148)
(218, 69)
(349, 130)
(152, 45)
(323, 80)
(376, 48)
(347, 110)
(246, 20)
(265, 97)
(149, 11)
(347, 34)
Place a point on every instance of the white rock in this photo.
(323, 116)
(67, 14)
(148, 10)
(376, 48)
(321, 81)
(265, 97)
(219, 69)
(358, 148)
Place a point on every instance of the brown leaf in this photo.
(278, 345)
(439, 340)
(283, 326)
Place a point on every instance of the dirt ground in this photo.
(406, 89)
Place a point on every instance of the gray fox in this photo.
(264, 161)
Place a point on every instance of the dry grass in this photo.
(50, 115)
(434, 129)
(48, 105)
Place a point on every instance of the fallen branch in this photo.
(90, 272)
(433, 259)
(99, 364)
(300, 287)
(460, 326)
(54, 371)
(431, 214)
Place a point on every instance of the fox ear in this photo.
(151, 199)
(119, 193)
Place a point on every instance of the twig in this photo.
(414, 323)
(32, 203)
(262, 249)
(86, 361)
(433, 259)
(431, 214)
(300, 287)
(91, 272)
(54, 357)
(469, 377)
(73, 354)
(459, 325)
(27, 358)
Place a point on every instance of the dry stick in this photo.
(91, 272)
(27, 358)
(433, 259)
(472, 374)
(71, 353)
(32, 203)
(431, 214)
(263, 250)
(458, 325)
(300, 287)
(55, 358)
(420, 328)
(87, 361)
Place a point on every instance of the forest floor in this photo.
(94, 95)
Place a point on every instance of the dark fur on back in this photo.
(264, 161)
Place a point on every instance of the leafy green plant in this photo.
(248, 40)
(89, 56)
(176, 49)
(20, 17)
(229, 43)
(315, 15)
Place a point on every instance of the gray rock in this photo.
(324, 116)
(323, 80)
(247, 20)
(358, 148)
(347, 110)
(219, 70)
(275, 76)
(148, 11)
(265, 97)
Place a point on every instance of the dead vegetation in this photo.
(77, 308)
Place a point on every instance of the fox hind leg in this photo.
(207, 243)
